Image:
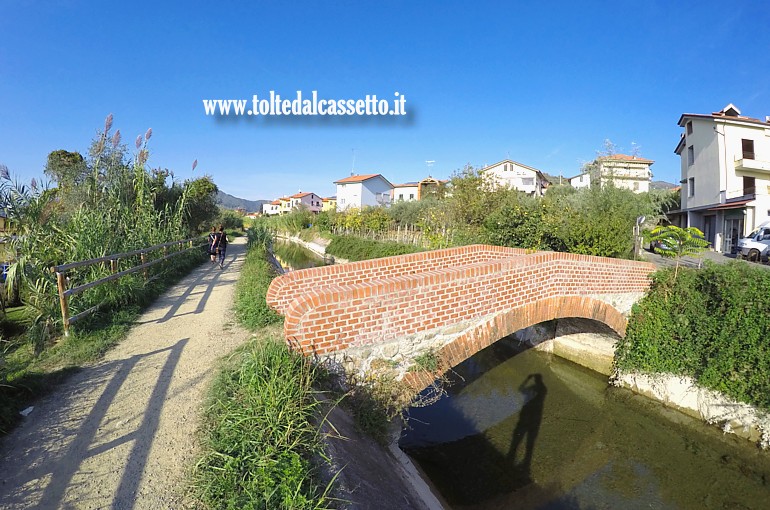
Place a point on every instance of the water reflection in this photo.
(531, 431)
(292, 256)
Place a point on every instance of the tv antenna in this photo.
(353, 165)
(430, 165)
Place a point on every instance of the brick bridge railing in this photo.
(338, 307)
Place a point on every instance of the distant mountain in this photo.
(662, 185)
(231, 202)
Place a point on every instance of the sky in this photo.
(543, 83)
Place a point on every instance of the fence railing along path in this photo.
(61, 273)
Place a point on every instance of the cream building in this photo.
(516, 176)
(627, 172)
(725, 169)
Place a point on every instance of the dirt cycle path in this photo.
(122, 433)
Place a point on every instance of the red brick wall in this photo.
(286, 288)
(353, 312)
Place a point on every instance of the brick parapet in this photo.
(290, 286)
(335, 317)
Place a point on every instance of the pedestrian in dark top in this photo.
(213, 245)
(222, 246)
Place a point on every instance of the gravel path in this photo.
(122, 433)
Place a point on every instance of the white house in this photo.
(407, 192)
(309, 201)
(580, 181)
(272, 208)
(516, 176)
(725, 169)
(628, 172)
(362, 190)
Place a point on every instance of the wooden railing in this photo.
(62, 270)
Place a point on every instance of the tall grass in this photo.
(262, 433)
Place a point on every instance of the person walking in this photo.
(222, 246)
(213, 235)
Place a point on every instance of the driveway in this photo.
(712, 256)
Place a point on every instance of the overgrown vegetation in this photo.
(354, 248)
(594, 221)
(105, 203)
(710, 324)
(262, 433)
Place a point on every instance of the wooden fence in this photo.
(62, 270)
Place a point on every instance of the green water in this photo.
(292, 256)
(527, 430)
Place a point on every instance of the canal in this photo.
(523, 429)
(293, 256)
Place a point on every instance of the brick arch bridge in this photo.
(464, 298)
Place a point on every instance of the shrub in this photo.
(711, 324)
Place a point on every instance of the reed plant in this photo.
(111, 203)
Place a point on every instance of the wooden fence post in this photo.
(65, 310)
(143, 258)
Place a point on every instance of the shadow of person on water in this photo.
(528, 426)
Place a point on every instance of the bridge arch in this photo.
(510, 321)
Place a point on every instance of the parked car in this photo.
(756, 246)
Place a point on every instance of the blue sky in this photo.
(543, 83)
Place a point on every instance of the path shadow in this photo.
(64, 468)
(207, 280)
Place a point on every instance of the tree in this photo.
(675, 242)
(201, 207)
(66, 168)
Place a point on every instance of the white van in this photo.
(755, 246)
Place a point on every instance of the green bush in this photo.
(250, 305)
(355, 248)
(711, 324)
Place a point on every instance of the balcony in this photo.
(752, 168)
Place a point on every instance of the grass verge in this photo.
(261, 440)
(261, 433)
(250, 305)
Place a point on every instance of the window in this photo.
(411, 196)
(528, 181)
(748, 148)
(401, 197)
(636, 186)
(689, 127)
(691, 187)
(749, 185)
(690, 155)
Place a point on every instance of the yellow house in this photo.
(285, 206)
(329, 204)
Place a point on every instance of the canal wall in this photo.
(683, 394)
(315, 246)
